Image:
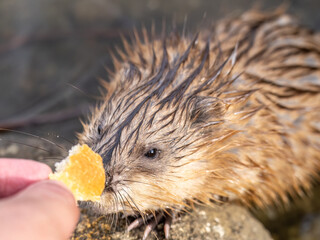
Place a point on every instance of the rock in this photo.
(227, 222)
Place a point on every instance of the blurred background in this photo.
(52, 53)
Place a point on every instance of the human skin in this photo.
(31, 206)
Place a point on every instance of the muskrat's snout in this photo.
(113, 182)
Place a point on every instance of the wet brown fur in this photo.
(235, 112)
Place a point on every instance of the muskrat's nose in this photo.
(107, 188)
(112, 180)
(108, 185)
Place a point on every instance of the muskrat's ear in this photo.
(207, 110)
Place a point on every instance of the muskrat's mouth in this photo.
(112, 202)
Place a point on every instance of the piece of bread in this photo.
(83, 173)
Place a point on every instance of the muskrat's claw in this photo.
(136, 223)
(167, 224)
(151, 225)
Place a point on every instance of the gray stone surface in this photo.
(227, 222)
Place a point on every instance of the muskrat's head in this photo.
(160, 125)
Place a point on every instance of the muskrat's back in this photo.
(231, 112)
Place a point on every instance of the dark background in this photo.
(52, 53)
(48, 45)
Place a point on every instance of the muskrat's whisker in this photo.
(35, 136)
(133, 209)
(170, 197)
(65, 139)
(137, 208)
(112, 216)
(130, 207)
(120, 200)
(82, 92)
(133, 202)
(116, 216)
(25, 144)
(125, 215)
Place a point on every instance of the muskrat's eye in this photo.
(99, 129)
(152, 153)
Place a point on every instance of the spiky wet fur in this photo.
(234, 110)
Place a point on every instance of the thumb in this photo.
(44, 210)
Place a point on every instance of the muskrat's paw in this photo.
(152, 223)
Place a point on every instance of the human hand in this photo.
(32, 207)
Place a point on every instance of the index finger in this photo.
(16, 174)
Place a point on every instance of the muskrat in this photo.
(231, 112)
